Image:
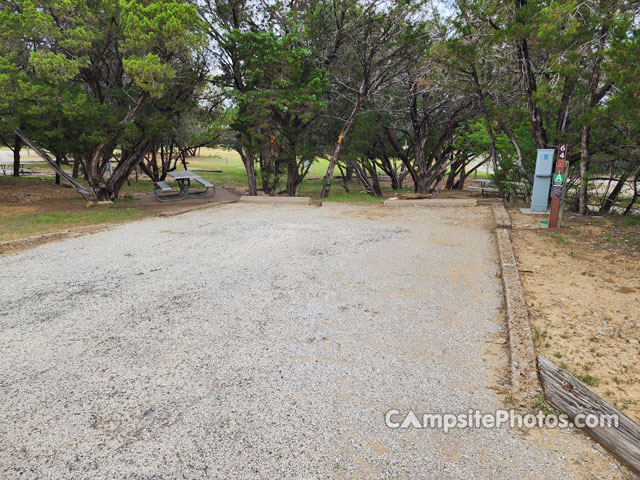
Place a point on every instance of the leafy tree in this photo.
(385, 37)
(272, 60)
(94, 68)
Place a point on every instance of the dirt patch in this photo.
(582, 286)
(36, 194)
(35, 206)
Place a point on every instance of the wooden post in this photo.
(557, 185)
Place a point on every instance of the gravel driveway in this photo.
(251, 341)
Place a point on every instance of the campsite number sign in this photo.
(557, 185)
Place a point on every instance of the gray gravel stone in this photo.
(257, 341)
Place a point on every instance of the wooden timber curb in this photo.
(503, 220)
(524, 374)
(275, 200)
(431, 202)
(571, 396)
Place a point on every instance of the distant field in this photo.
(225, 168)
(32, 204)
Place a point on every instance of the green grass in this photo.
(353, 197)
(24, 225)
(630, 221)
(233, 175)
(588, 379)
(559, 238)
(26, 181)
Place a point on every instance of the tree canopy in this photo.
(425, 92)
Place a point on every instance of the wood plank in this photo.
(570, 395)
(413, 196)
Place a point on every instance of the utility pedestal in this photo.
(542, 180)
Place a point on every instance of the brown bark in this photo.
(485, 114)
(57, 175)
(343, 133)
(123, 169)
(81, 189)
(636, 194)
(248, 160)
(402, 155)
(292, 176)
(530, 85)
(17, 146)
(375, 180)
(76, 167)
(595, 95)
(562, 122)
(615, 193)
(519, 158)
(391, 170)
(584, 169)
(368, 177)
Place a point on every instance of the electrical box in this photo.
(542, 180)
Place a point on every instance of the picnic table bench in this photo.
(164, 192)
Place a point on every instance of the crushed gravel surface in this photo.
(262, 341)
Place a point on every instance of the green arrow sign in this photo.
(558, 178)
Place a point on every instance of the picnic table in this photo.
(485, 186)
(164, 192)
(7, 169)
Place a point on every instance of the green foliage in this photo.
(280, 79)
(75, 74)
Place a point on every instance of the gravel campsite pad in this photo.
(248, 341)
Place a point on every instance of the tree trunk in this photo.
(154, 163)
(583, 195)
(562, 121)
(336, 151)
(58, 175)
(527, 176)
(293, 172)
(76, 167)
(292, 177)
(613, 196)
(595, 95)
(528, 76)
(485, 114)
(124, 167)
(344, 176)
(390, 169)
(375, 180)
(403, 157)
(462, 178)
(348, 174)
(422, 184)
(17, 146)
(248, 161)
(81, 189)
(636, 194)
